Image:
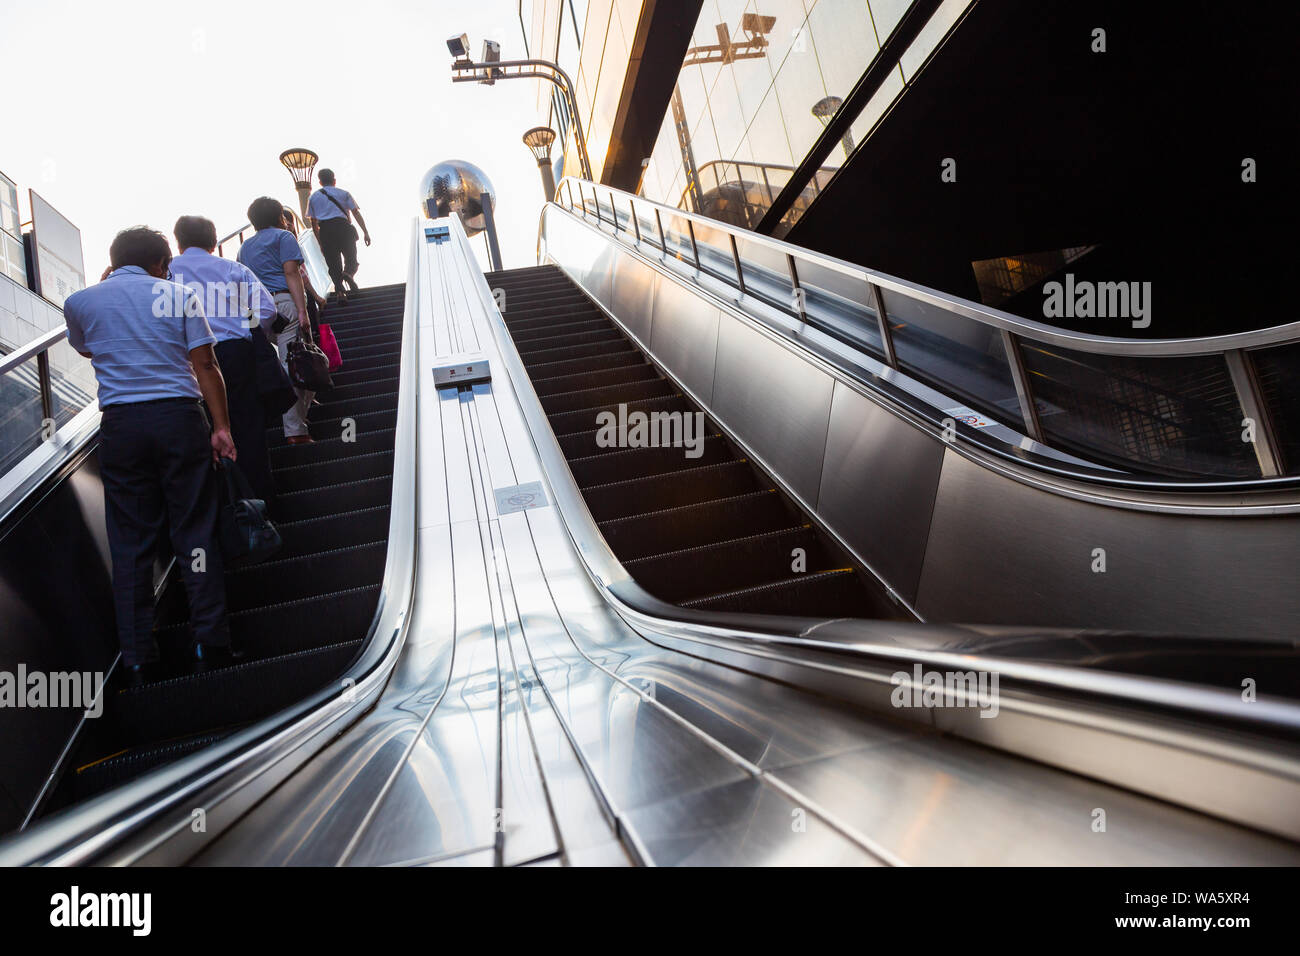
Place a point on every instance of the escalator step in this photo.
(374, 385)
(333, 531)
(727, 565)
(348, 376)
(674, 529)
(238, 694)
(599, 398)
(636, 372)
(659, 492)
(589, 363)
(328, 449)
(304, 576)
(329, 407)
(332, 499)
(383, 420)
(603, 333)
(340, 470)
(583, 420)
(574, 325)
(835, 593)
(532, 360)
(101, 775)
(629, 463)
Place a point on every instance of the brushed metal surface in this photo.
(878, 487)
(685, 337)
(1002, 552)
(633, 295)
(775, 402)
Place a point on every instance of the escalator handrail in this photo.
(1236, 345)
(1282, 334)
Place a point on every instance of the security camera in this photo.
(459, 46)
(755, 24)
(491, 54)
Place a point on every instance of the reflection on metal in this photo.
(756, 28)
(738, 192)
(824, 110)
(1258, 422)
(455, 187)
(1024, 392)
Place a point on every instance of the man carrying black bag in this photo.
(236, 304)
(151, 348)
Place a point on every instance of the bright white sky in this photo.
(142, 111)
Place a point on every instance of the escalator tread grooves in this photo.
(756, 589)
(282, 562)
(334, 461)
(236, 667)
(330, 517)
(714, 545)
(554, 355)
(341, 484)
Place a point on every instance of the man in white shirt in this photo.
(330, 210)
(236, 304)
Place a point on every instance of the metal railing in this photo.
(1184, 407)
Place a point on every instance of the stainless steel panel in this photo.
(775, 402)
(685, 337)
(632, 300)
(1002, 552)
(748, 823)
(932, 800)
(878, 486)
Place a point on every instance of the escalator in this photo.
(299, 619)
(709, 531)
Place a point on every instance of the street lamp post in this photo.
(539, 140)
(300, 163)
(463, 70)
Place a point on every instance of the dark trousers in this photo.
(247, 416)
(156, 462)
(338, 243)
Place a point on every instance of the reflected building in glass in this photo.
(977, 148)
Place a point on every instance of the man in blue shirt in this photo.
(236, 304)
(329, 210)
(151, 349)
(274, 256)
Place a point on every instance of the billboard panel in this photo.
(59, 269)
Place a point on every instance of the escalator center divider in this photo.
(300, 619)
(706, 530)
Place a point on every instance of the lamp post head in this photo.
(300, 163)
(826, 107)
(539, 140)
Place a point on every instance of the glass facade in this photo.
(592, 41)
(760, 81)
(12, 263)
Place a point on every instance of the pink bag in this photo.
(330, 346)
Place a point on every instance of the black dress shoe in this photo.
(209, 657)
(137, 675)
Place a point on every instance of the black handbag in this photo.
(273, 383)
(247, 536)
(309, 368)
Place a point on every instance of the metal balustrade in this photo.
(1184, 408)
